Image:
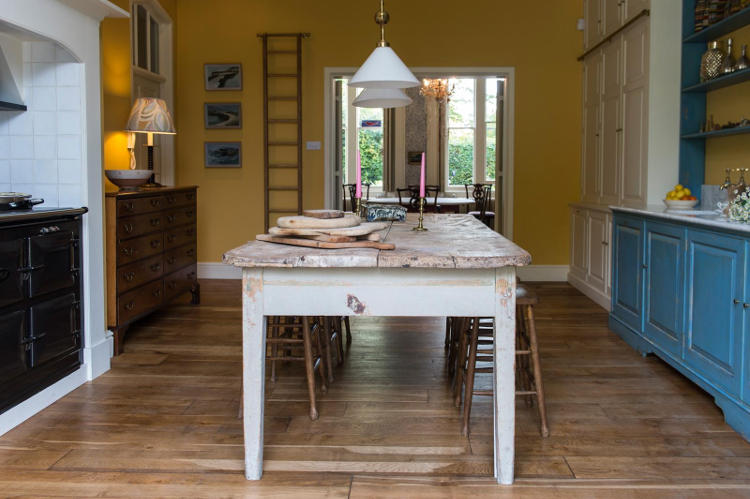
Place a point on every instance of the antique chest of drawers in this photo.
(151, 253)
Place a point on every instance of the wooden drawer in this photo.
(180, 281)
(180, 216)
(139, 301)
(139, 247)
(139, 225)
(179, 257)
(179, 236)
(138, 206)
(134, 274)
(179, 198)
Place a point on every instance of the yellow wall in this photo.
(729, 104)
(117, 85)
(541, 42)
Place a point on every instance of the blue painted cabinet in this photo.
(682, 291)
(664, 286)
(627, 266)
(715, 288)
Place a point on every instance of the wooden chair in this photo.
(478, 339)
(352, 189)
(482, 194)
(299, 339)
(430, 191)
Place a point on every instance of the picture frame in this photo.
(222, 154)
(222, 76)
(414, 157)
(222, 115)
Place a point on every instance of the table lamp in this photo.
(150, 115)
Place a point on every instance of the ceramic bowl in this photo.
(678, 204)
(128, 179)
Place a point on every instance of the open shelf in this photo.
(716, 30)
(717, 133)
(9, 106)
(720, 82)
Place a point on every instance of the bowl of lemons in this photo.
(680, 198)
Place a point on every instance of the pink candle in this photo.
(358, 193)
(421, 179)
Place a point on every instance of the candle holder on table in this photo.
(420, 226)
(358, 207)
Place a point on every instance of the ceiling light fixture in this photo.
(382, 98)
(383, 69)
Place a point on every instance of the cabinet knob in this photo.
(605, 243)
(156, 267)
(4, 273)
(645, 266)
(155, 222)
(155, 202)
(170, 238)
(171, 260)
(170, 219)
(746, 305)
(155, 243)
(129, 276)
(129, 305)
(128, 228)
(128, 251)
(736, 301)
(157, 292)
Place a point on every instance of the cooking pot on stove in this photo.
(18, 200)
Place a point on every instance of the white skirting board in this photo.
(596, 295)
(532, 273)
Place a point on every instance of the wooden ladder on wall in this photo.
(282, 124)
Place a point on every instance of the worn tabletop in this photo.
(451, 241)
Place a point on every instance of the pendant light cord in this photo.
(382, 17)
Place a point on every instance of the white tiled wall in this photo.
(41, 149)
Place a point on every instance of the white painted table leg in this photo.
(253, 369)
(504, 371)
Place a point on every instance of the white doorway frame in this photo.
(508, 73)
(165, 79)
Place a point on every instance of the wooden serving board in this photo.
(323, 213)
(302, 222)
(310, 243)
(360, 230)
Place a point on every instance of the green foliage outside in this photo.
(370, 150)
(461, 162)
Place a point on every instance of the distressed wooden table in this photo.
(458, 268)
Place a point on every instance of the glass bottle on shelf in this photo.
(729, 64)
(743, 62)
(711, 61)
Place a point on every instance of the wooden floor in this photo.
(163, 422)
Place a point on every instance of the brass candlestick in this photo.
(358, 207)
(420, 226)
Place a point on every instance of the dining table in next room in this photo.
(457, 268)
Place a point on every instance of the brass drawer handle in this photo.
(156, 267)
(128, 251)
(129, 206)
(171, 260)
(189, 213)
(190, 252)
(155, 202)
(170, 218)
(130, 305)
(128, 227)
(157, 292)
(189, 196)
(129, 276)
(155, 243)
(172, 284)
(155, 222)
(171, 199)
(170, 238)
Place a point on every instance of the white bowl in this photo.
(128, 179)
(679, 204)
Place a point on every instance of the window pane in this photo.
(344, 129)
(371, 155)
(490, 155)
(141, 32)
(490, 109)
(460, 156)
(461, 103)
(154, 46)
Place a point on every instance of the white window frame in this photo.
(165, 78)
(352, 136)
(479, 127)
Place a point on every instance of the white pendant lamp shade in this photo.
(382, 98)
(383, 69)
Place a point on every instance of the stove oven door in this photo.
(11, 262)
(52, 255)
(54, 328)
(12, 346)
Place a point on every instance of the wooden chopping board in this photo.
(323, 213)
(360, 230)
(302, 222)
(310, 243)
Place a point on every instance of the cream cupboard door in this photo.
(608, 255)
(634, 7)
(592, 33)
(612, 17)
(590, 144)
(611, 129)
(578, 244)
(597, 249)
(635, 112)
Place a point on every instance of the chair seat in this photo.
(525, 296)
(479, 214)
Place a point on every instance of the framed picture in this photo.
(223, 114)
(223, 76)
(223, 154)
(414, 157)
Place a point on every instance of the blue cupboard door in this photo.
(715, 296)
(664, 290)
(627, 266)
(746, 332)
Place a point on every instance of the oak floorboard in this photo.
(163, 421)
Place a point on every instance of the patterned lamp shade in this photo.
(150, 115)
